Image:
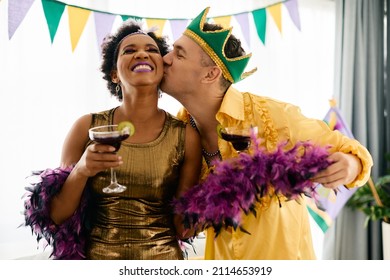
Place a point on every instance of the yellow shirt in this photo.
(277, 232)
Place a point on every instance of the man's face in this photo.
(182, 68)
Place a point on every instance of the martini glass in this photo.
(239, 137)
(110, 135)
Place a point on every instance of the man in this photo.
(199, 73)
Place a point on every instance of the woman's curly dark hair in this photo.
(110, 48)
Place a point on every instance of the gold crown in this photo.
(213, 43)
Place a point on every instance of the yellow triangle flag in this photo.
(77, 20)
(276, 13)
(223, 21)
(159, 23)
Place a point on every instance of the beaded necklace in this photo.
(207, 156)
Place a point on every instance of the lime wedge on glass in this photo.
(219, 130)
(126, 127)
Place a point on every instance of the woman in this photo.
(160, 161)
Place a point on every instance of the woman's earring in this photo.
(117, 88)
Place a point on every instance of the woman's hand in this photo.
(97, 158)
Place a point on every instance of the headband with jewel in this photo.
(138, 32)
(213, 43)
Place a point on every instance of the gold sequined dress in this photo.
(138, 223)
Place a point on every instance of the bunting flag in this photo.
(223, 21)
(125, 17)
(276, 13)
(156, 23)
(103, 26)
(178, 26)
(243, 22)
(78, 17)
(260, 18)
(329, 204)
(53, 13)
(17, 10)
(292, 8)
(77, 21)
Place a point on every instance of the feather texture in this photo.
(237, 184)
(67, 239)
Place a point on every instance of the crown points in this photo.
(213, 43)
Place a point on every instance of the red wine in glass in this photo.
(110, 135)
(239, 137)
(239, 142)
(112, 140)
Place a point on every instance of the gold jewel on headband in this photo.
(213, 43)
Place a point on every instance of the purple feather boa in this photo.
(236, 184)
(68, 239)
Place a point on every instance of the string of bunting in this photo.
(78, 16)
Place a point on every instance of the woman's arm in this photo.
(189, 175)
(87, 163)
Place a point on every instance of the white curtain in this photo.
(44, 87)
(359, 85)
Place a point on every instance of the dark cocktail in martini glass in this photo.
(239, 137)
(110, 135)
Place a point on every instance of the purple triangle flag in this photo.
(292, 8)
(243, 21)
(103, 26)
(17, 11)
(329, 203)
(178, 26)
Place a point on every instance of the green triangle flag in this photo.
(260, 19)
(124, 18)
(53, 12)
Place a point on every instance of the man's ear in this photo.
(114, 76)
(213, 74)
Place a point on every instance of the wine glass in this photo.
(110, 135)
(239, 137)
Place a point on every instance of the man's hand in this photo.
(343, 170)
